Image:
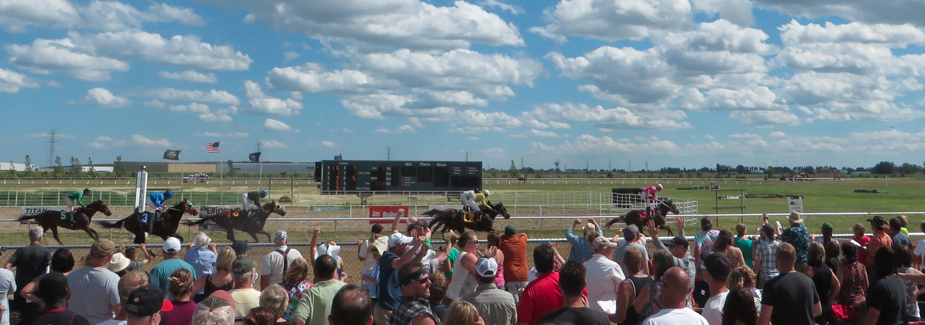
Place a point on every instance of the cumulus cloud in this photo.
(140, 140)
(610, 118)
(738, 12)
(190, 75)
(401, 129)
(327, 144)
(612, 20)
(501, 5)
(18, 16)
(273, 144)
(102, 142)
(44, 56)
(588, 144)
(890, 12)
(11, 82)
(260, 103)
(289, 56)
(212, 96)
(193, 108)
(223, 135)
(101, 97)
(274, 125)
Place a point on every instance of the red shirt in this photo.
(515, 258)
(862, 255)
(540, 297)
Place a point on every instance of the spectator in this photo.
(240, 247)
(646, 303)
(368, 252)
(879, 239)
(145, 305)
(127, 284)
(217, 309)
(260, 316)
(96, 287)
(717, 267)
(462, 312)
(541, 296)
(738, 309)
(119, 263)
(351, 306)
(904, 257)
(765, 255)
(581, 248)
(315, 305)
(790, 298)
(245, 297)
(414, 308)
(464, 271)
(400, 253)
(296, 284)
(605, 274)
(181, 290)
(831, 255)
(824, 279)
(826, 237)
(744, 244)
(493, 241)
(437, 294)
(899, 238)
(743, 277)
(575, 308)
(515, 265)
(275, 299)
(862, 241)
(633, 237)
(496, 306)
(7, 287)
(798, 236)
(886, 298)
(370, 278)
(277, 262)
(630, 288)
(920, 247)
(678, 247)
(161, 272)
(674, 292)
(201, 254)
(725, 244)
(329, 248)
(221, 279)
(54, 293)
(703, 241)
(903, 223)
(136, 261)
(30, 262)
(450, 238)
(852, 275)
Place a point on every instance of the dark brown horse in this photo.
(80, 219)
(165, 226)
(252, 223)
(660, 217)
(455, 220)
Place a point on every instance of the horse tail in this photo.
(437, 220)
(28, 217)
(198, 222)
(111, 225)
(615, 220)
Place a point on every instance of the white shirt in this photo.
(676, 316)
(7, 286)
(713, 309)
(273, 263)
(920, 250)
(603, 277)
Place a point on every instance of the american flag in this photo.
(212, 147)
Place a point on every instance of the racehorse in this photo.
(80, 219)
(660, 217)
(252, 223)
(165, 226)
(455, 219)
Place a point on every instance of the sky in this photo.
(589, 83)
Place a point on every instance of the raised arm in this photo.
(653, 232)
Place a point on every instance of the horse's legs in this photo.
(92, 233)
(613, 221)
(230, 232)
(254, 235)
(54, 232)
(268, 235)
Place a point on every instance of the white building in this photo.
(6, 166)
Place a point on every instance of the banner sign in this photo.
(30, 211)
(207, 210)
(387, 213)
(328, 208)
(795, 203)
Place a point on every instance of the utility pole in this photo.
(388, 153)
(52, 152)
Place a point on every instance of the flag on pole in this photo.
(254, 157)
(172, 154)
(212, 147)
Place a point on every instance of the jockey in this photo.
(482, 199)
(650, 199)
(71, 199)
(253, 196)
(156, 202)
(468, 201)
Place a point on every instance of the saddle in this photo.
(469, 216)
(642, 214)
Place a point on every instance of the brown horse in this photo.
(80, 219)
(252, 223)
(660, 217)
(454, 219)
(165, 226)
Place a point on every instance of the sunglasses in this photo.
(422, 280)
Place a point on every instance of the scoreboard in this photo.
(372, 176)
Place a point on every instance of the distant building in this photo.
(301, 168)
(6, 166)
(828, 173)
(170, 167)
(98, 169)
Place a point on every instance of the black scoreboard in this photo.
(372, 176)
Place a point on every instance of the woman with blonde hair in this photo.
(220, 279)
(295, 284)
(180, 285)
(462, 312)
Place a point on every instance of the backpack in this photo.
(285, 259)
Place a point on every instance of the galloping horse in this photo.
(81, 219)
(251, 223)
(660, 217)
(455, 219)
(165, 226)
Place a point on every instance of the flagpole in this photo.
(221, 175)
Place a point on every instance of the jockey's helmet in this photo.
(168, 193)
(264, 193)
(486, 192)
(659, 186)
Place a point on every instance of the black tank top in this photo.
(210, 288)
(632, 317)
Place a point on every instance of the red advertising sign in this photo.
(387, 213)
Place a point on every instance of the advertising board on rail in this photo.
(30, 211)
(387, 213)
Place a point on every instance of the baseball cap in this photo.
(102, 248)
(795, 217)
(827, 226)
(213, 311)
(399, 239)
(877, 221)
(717, 265)
(601, 243)
(281, 235)
(172, 245)
(630, 232)
(223, 295)
(240, 247)
(486, 267)
(119, 262)
(677, 241)
(146, 301)
(509, 230)
(243, 264)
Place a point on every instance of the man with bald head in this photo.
(675, 290)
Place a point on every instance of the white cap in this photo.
(172, 245)
(399, 238)
(486, 267)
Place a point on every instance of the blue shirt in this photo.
(160, 274)
(581, 248)
(389, 293)
(202, 260)
(900, 239)
(157, 198)
(798, 236)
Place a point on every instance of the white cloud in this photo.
(179, 50)
(46, 135)
(401, 129)
(101, 97)
(190, 75)
(327, 144)
(273, 144)
(193, 108)
(274, 125)
(610, 118)
(260, 103)
(501, 5)
(586, 144)
(735, 11)
(766, 118)
(224, 135)
(102, 142)
(721, 99)
(312, 78)
(19, 15)
(212, 96)
(155, 103)
(140, 140)
(612, 20)
(11, 81)
(44, 56)
(888, 12)
(289, 56)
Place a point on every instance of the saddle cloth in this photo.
(146, 218)
(468, 216)
(64, 214)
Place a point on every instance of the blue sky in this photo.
(671, 83)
